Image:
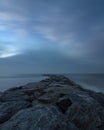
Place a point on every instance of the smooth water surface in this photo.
(90, 81)
(9, 82)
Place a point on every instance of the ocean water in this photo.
(90, 81)
(16, 81)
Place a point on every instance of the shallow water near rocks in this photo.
(89, 81)
(9, 82)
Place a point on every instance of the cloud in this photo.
(48, 61)
(43, 61)
(74, 29)
(8, 50)
(2, 27)
(11, 16)
(21, 31)
(8, 53)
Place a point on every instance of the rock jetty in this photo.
(56, 103)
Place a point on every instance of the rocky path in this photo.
(55, 103)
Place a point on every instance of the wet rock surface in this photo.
(56, 103)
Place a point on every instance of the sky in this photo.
(51, 36)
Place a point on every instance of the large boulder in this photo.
(39, 117)
(8, 109)
(87, 116)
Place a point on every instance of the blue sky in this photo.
(51, 36)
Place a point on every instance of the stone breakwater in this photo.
(56, 103)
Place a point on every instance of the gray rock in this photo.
(8, 109)
(55, 103)
(87, 116)
(16, 95)
(39, 117)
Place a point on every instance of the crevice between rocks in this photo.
(63, 104)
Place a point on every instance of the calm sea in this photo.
(16, 81)
(90, 81)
